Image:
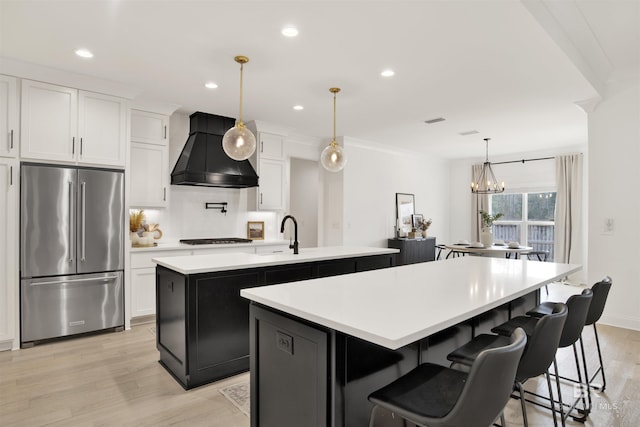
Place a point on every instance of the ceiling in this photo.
(510, 70)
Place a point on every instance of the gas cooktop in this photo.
(215, 241)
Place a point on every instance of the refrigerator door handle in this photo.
(70, 221)
(83, 207)
(62, 282)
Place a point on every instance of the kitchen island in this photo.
(318, 348)
(202, 323)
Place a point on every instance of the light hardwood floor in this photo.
(115, 380)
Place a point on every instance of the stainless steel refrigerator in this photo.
(71, 251)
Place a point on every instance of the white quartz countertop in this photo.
(195, 264)
(176, 245)
(396, 306)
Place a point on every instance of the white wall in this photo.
(614, 174)
(371, 179)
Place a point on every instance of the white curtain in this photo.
(568, 228)
(479, 202)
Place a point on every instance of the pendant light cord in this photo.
(334, 118)
(240, 116)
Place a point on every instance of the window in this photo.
(528, 218)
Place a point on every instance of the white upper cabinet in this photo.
(68, 125)
(149, 128)
(49, 121)
(271, 146)
(9, 116)
(271, 191)
(149, 164)
(102, 127)
(269, 161)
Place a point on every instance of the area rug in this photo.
(239, 395)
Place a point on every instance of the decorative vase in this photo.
(424, 233)
(486, 236)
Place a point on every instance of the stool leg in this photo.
(560, 405)
(584, 401)
(523, 404)
(601, 369)
(586, 376)
(552, 405)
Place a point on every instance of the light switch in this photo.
(608, 226)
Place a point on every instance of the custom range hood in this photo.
(203, 161)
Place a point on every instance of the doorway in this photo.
(304, 199)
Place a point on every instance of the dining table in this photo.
(461, 249)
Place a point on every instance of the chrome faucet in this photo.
(293, 245)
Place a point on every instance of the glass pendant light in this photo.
(332, 157)
(485, 182)
(238, 142)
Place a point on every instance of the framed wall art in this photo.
(405, 208)
(255, 230)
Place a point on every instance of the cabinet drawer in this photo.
(143, 259)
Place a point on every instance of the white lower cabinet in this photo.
(143, 292)
(8, 250)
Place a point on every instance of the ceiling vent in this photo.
(469, 132)
(436, 120)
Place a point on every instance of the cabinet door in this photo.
(149, 128)
(9, 131)
(271, 146)
(271, 193)
(102, 122)
(222, 319)
(8, 249)
(143, 291)
(149, 174)
(171, 320)
(49, 122)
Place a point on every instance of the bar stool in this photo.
(577, 307)
(600, 294)
(435, 395)
(542, 344)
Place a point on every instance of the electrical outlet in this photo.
(284, 342)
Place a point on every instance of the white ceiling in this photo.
(510, 70)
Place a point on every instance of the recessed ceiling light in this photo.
(387, 73)
(298, 107)
(290, 31)
(211, 85)
(435, 120)
(84, 53)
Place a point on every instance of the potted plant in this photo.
(424, 225)
(486, 233)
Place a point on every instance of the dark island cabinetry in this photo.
(414, 250)
(202, 321)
